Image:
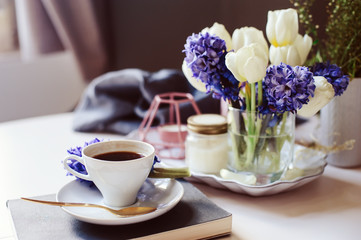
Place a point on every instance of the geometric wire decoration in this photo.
(168, 139)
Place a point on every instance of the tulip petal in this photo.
(233, 66)
(196, 83)
(277, 55)
(220, 31)
(270, 27)
(303, 45)
(247, 35)
(286, 27)
(238, 39)
(286, 54)
(256, 69)
(248, 63)
(282, 27)
(242, 56)
(293, 58)
(323, 94)
(260, 51)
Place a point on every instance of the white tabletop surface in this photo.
(31, 151)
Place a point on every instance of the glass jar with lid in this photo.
(206, 146)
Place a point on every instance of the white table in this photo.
(31, 151)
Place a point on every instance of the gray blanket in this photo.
(117, 102)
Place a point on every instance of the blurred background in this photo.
(51, 49)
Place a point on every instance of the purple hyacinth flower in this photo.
(75, 165)
(205, 56)
(287, 88)
(75, 151)
(333, 74)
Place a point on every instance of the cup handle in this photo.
(72, 171)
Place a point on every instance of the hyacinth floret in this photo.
(75, 165)
(334, 76)
(95, 140)
(205, 56)
(287, 88)
(225, 85)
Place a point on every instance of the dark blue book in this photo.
(194, 217)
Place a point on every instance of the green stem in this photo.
(260, 93)
(237, 128)
(251, 126)
(253, 107)
(261, 130)
(169, 173)
(281, 137)
(282, 132)
(248, 103)
(253, 97)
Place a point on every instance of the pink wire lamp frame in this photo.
(151, 135)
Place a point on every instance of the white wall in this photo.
(49, 84)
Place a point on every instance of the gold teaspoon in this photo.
(124, 212)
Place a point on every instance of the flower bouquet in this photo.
(264, 86)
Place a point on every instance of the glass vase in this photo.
(262, 144)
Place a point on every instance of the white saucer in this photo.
(308, 165)
(163, 194)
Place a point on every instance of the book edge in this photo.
(219, 227)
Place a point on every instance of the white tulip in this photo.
(220, 31)
(196, 83)
(294, 54)
(248, 63)
(286, 54)
(282, 27)
(247, 35)
(323, 94)
(303, 45)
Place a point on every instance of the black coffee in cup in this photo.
(118, 156)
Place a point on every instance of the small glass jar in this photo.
(206, 146)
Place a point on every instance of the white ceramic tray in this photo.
(308, 165)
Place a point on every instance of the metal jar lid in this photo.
(209, 124)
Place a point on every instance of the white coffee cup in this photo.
(118, 180)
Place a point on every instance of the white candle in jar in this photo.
(206, 148)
